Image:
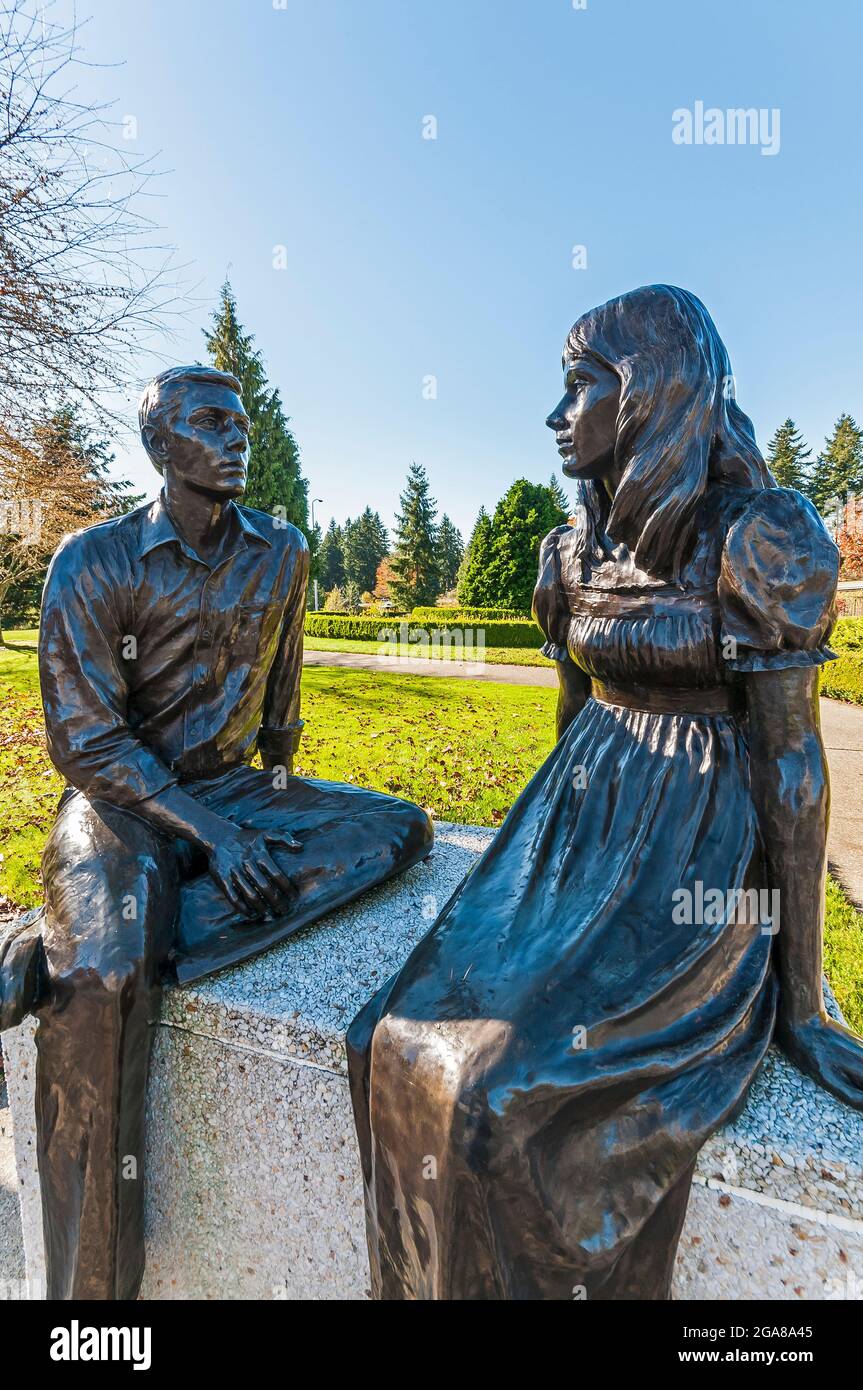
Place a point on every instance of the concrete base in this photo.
(253, 1182)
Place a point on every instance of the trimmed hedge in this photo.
(364, 613)
(843, 679)
(848, 635)
(424, 615)
(519, 632)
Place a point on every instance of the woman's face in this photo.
(585, 419)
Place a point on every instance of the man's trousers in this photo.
(127, 907)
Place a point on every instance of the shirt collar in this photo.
(251, 528)
(159, 529)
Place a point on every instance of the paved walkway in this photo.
(423, 666)
(842, 728)
(841, 725)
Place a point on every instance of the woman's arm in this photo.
(551, 612)
(574, 690)
(791, 790)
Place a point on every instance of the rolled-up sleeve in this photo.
(86, 617)
(281, 725)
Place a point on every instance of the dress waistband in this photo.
(669, 699)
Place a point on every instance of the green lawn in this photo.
(462, 748)
(843, 954)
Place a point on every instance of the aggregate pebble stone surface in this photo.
(792, 1141)
(256, 1200)
(11, 1244)
(732, 1248)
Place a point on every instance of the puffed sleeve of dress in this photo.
(777, 585)
(549, 601)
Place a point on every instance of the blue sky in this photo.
(408, 258)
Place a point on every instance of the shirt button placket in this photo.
(203, 656)
(205, 637)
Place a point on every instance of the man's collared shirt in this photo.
(157, 667)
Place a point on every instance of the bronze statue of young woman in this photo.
(533, 1087)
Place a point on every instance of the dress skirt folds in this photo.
(532, 1089)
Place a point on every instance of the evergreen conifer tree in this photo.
(838, 469)
(416, 574)
(473, 572)
(330, 559)
(450, 552)
(522, 518)
(275, 483)
(558, 496)
(788, 458)
(364, 544)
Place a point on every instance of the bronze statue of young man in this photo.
(170, 648)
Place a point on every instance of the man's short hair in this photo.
(160, 403)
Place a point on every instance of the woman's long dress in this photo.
(531, 1090)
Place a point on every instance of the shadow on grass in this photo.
(343, 684)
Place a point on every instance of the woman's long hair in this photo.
(678, 422)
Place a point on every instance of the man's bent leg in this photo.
(111, 896)
(352, 840)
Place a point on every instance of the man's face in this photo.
(207, 445)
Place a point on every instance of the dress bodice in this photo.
(757, 593)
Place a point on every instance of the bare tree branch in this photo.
(84, 285)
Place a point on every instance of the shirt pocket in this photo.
(255, 629)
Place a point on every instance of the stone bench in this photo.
(254, 1187)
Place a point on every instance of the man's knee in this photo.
(394, 826)
(414, 825)
(111, 890)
